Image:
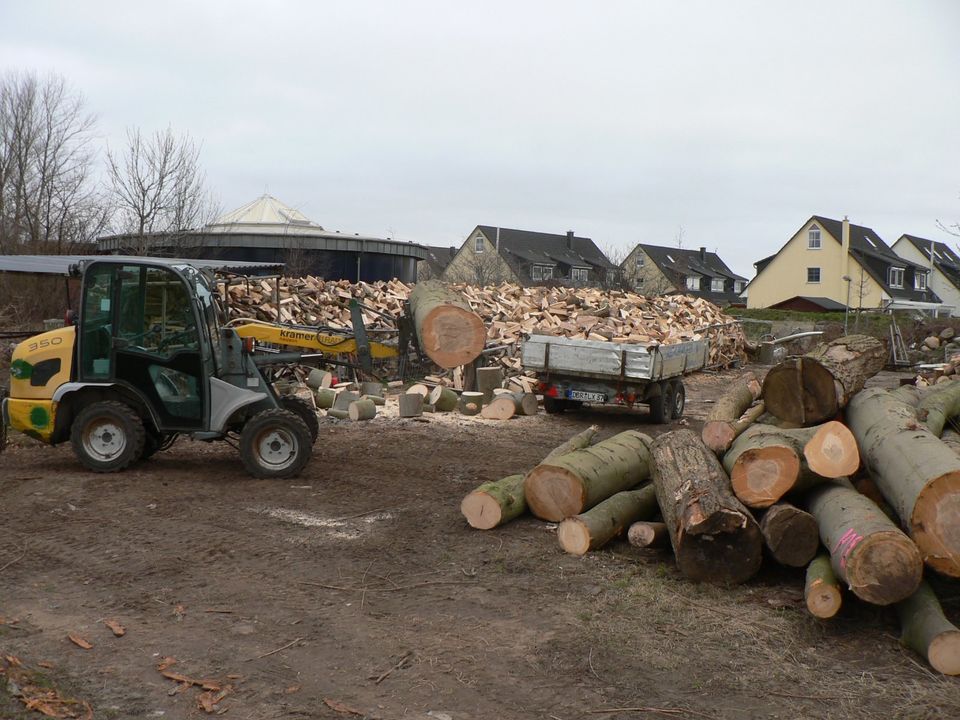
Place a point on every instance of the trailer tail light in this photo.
(551, 390)
(249, 344)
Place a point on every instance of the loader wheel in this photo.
(303, 410)
(275, 444)
(107, 436)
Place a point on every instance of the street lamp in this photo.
(846, 307)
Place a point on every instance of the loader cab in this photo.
(151, 328)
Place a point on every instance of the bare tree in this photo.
(48, 200)
(158, 189)
(486, 268)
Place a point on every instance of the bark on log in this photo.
(916, 472)
(951, 438)
(720, 430)
(648, 534)
(448, 331)
(374, 389)
(427, 408)
(488, 380)
(606, 520)
(937, 407)
(822, 589)
(869, 553)
(714, 537)
(526, 403)
(791, 534)
(502, 407)
(319, 379)
(567, 485)
(375, 399)
(495, 503)
(362, 410)
(325, 398)
(338, 414)
(926, 631)
(443, 399)
(767, 462)
(813, 388)
(471, 403)
(411, 405)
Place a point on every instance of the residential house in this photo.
(829, 263)
(493, 255)
(435, 263)
(944, 264)
(657, 270)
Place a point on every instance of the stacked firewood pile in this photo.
(866, 506)
(509, 313)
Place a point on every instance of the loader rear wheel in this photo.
(107, 436)
(303, 410)
(275, 444)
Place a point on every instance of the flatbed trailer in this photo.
(572, 372)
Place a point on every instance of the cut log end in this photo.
(718, 435)
(452, 336)
(884, 568)
(801, 391)
(727, 558)
(554, 493)
(935, 523)
(648, 534)
(832, 451)
(823, 599)
(500, 408)
(574, 536)
(481, 510)
(761, 476)
(944, 653)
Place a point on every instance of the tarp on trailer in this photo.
(61, 264)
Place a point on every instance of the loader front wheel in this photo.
(107, 436)
(275, 444)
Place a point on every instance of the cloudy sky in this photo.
(624, 121)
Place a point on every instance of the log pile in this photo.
(509, 314)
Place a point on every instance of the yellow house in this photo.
(832, 264)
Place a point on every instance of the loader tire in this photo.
(275, 443)
(303, 410)
(107, 436)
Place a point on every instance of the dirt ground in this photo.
(357, 590)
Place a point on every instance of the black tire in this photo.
(275, 443)
(553, 405)
(107, 436)
(678, 399)
(659, 404)
(303, 410)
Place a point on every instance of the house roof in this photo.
(547, 248)
(822, 302)
(945, 259)
(684, 261)
(438, 257)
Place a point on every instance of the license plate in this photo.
(587, 396)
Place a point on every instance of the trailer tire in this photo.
(552, 405)
(275, 443)
(659, 403)
(677, 399)
(303, 410)
(107, 436)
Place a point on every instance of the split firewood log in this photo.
(411, 405)
(606, 520)
(915, 471)
(714, 537)
(813, 388)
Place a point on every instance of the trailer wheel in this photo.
(275, 444)
(107, 436)
(303, 410)
(678, 399)
(660, 409)
(552, 405)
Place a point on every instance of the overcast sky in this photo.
(623, 121)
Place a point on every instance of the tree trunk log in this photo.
(448, 331)
(926, 631)
(791, 535)
(916, 472)
(606, 520)
(362, 410)
(471, 403)
(443, 399)
(937, 407)
(951, 438)
(767, 462)
(714, 537)
(502, 407)
(567, 485)
(719, 430)
(375, 399)
(869, 553)
(411, 405)
(325, 398)
(526, 403)
(488, 380)
(822, 589)
(318, 379)
(813, 388)
(495, 503)
(648, 534)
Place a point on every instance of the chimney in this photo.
(453, 251)
(703, 254)
(569, 239)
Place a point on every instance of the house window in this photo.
(920, 280)
(693, 282)
(579, 274)
(813, 238)
(716, 285)
(738, 286)
(478, 244)
(896, 277)
(640, 260)
(813, 275)
(536, 272)
(547, 273)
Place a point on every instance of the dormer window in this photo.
(716, 285)
(895, 277)
(813, 238)
(478, 244)
(693, 282)
(919, 280)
